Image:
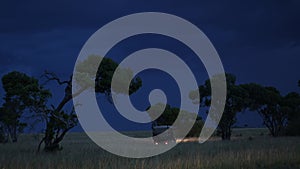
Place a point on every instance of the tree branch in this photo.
(50, 76)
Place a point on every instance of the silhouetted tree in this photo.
(270, 105)
(234, 102)
(21, 92)
(60, 121)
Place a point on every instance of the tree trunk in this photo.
(52, 147)
(53, 138)
(273, 126)
(13, 133)
(4, 135)
(53, 134)
(226, 133)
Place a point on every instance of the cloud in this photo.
(252, 23)
(49, 34)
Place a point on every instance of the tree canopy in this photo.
(102, 83)
(267, 101)
(21, 92)
(234, 102)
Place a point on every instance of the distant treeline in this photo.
(23, 93)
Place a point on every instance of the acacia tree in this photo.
(60, 121)
(234, 102)
(20, 92)
(270, 105)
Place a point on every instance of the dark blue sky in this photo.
(258, 41)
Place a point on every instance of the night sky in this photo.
(258, 41)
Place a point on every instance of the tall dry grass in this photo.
(259, 152)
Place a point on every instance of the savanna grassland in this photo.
(248, 149)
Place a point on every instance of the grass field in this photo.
(249, 149)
